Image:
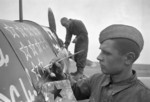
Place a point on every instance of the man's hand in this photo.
(75, 40)
(65, 46)
(57, 68)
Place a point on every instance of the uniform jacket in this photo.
(98, 88)
(76, 27)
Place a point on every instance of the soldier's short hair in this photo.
(63, 20)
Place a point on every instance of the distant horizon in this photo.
(133, 63)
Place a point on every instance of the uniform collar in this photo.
(119, 86)
(107, 80)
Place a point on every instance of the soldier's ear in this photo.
(129, 58)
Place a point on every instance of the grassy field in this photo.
(143, 71)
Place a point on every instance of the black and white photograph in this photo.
(74, 51)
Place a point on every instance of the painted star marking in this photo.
(24, 49)
(11, 30)
(35, 71)
(37, 31)
(27, 29)
(56, 47)
(43, 43)
(40, 62)
(56, 92)
(21, 31)
(32, 31)
(32, 47)
(40, 42)
(46, 45)
(37, 44)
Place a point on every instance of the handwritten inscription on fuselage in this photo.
(4, 59)
(30, 43)
(14, 94)
(24, 29)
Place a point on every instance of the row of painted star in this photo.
(25, 29)
(41, 46)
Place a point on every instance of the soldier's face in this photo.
(111, 62)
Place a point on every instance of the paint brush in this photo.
(50, 64)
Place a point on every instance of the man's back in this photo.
(77, 27)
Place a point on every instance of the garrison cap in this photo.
(122, 31)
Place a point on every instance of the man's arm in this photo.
(81, 88)
(68, 39)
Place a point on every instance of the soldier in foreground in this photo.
(77, 28)
(120, 47)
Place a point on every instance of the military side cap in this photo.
(122, 31)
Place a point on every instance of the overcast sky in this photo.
(96, 15)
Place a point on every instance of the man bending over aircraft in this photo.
(76, 27)
(120, 47)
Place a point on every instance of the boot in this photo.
(79, 71)
(78, 74)
(74, 73)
